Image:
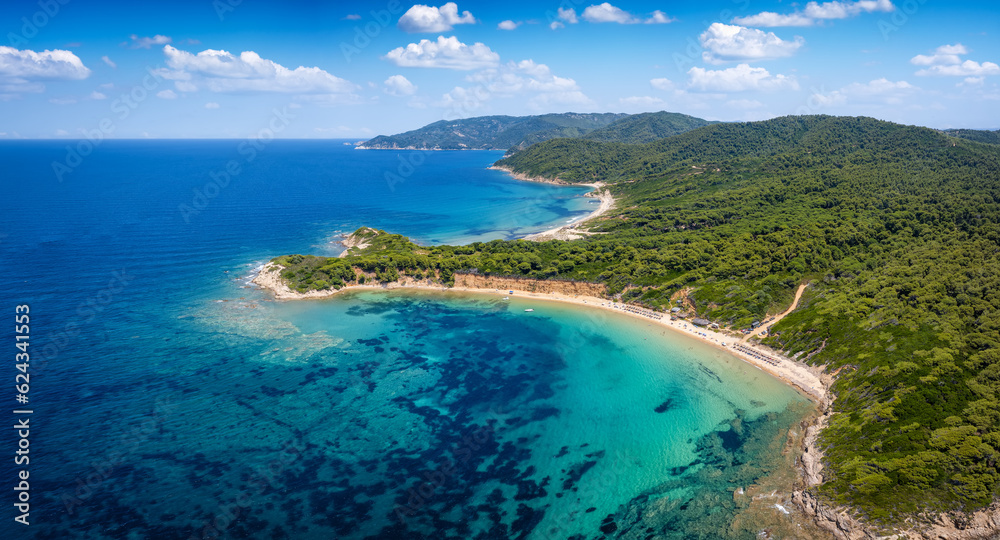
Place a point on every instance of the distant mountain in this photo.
(494, 132)
(646, 127)
(978, 135)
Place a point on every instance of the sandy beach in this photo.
(796, 374)
(572, 231)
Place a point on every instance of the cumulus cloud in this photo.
(421, 18)
(211, 105)
(97, 95)
(398, 85)
(166, 94)
(108, 61)
(28, 65)
(729, 43)
(738, 79)
(147, 42)
(815, 12)
(517, 79)
(876, 91)
(607, 13)
(22, 70)
(564, 15)
(352, 17)
(221, 71)
(449, 53)
(946, 61)
(508, 25)
(843, 10)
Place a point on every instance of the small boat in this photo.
(506, 298)
(529, 310)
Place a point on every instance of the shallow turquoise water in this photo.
(177, 401)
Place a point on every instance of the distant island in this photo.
(519, 132)
(893, 230)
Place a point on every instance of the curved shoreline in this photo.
(793, 373)
(570, 231)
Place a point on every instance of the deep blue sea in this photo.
(172, 399)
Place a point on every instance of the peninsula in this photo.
(893, 228)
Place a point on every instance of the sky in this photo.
(80, 69)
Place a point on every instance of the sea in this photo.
(164, 396)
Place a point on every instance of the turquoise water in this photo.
(174, 400)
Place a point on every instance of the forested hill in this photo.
(518, 132)
(646, 127)
(582, 160)
(978, 135)
(494, 132)
(896, 229)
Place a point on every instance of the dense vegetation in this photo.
(515, 133)
(495, 132)
(896, 228)
(646, 127)
(978, 135)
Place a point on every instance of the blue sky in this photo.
(231, 68)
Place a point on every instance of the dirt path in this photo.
(795, 304)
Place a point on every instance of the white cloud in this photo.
(62, 101)
(946, 61)
(21, 70)
(877, 91)
(211, 105)
(398, 85)
(843, 10)
(728, 43)
(662, 84)
(166, 94)
(564, 15)
(607, 13)
(352, 17)
(421, 18)
(447, 53)
(659, 17)
(770, 19)
(517, 79)
(945, 54)
(147, 42)
(62, 132)
(28, 65)
(567, 15)
(814, 12)
(968, 68)
(738, 79)
(508, 25)
(97, 95)
(879, 87)
(109, 62)
(221, 71)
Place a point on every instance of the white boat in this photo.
(529, 310)
(506, 298)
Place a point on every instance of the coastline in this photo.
(797, 375)
(571, 231)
